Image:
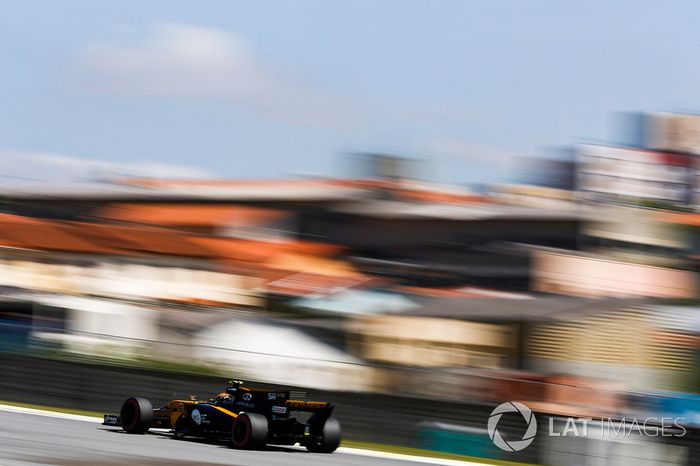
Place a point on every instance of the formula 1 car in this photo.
(249, 417)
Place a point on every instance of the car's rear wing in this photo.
(310, 406)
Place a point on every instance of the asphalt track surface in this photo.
(28, 440)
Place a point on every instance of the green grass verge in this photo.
(428, 453)
(345, 443)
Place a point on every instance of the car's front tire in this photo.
(326, 437)
(249, 431)
(136, 415)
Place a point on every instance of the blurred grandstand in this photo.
(528, 292)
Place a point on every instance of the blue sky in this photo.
(273, 88)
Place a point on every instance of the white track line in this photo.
(41, 412)
(404, 457)
(344, 450)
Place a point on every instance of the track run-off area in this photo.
(30, 437)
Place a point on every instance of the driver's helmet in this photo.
(223, 397)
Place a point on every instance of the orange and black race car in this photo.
(249, 417)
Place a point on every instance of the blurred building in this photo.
(285, 354)
(672, 132)
(581, 274)
(643, 236)
(390, 281)
(687, 226)
(641, 348)
(433, 342)
(634, 176)
(429, 243)
(534, 196)
(207, 219)
(556, 171)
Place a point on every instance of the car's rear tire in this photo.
(136, 415)
(325, 437)
(249, 431)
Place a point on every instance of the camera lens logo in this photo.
(514, 445)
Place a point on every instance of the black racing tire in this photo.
(326, 438)
(249, 431)
(136, 415)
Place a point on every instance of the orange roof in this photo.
(190, 214)
(438, 196)
(43, 235)
(140, 239)
(683, 218)
(7, 240)
(304, 284)
(300, 262)
(462, 292)
(283, 257)
(48, 235)
(410, 191)
(363, 183)
(311, 247)
(235, 248)
(20, 219)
